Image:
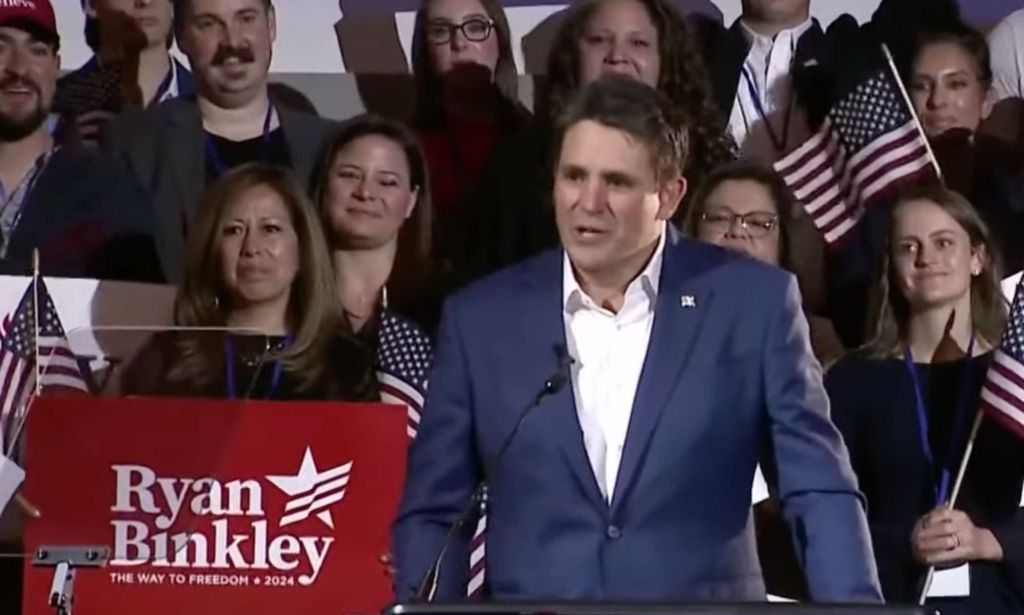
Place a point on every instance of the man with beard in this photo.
(82, 212)
(178, 147)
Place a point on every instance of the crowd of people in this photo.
(311, 237)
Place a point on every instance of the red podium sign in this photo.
(216, 506)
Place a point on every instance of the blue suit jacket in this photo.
(720, 380)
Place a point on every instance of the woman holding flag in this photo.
(906, 403)
(373, 197)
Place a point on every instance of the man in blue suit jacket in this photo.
(633, 481)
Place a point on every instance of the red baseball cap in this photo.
(36, 13)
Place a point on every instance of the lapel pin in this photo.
(688, 301)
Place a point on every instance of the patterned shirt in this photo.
(95, 87)
(12, 204)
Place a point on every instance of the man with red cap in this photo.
(84, 214)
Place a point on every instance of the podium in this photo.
(595, 608)
(211, 506)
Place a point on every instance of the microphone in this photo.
(428, 586)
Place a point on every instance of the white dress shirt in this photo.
(608, 351)
(766, 120)
(1006, 42)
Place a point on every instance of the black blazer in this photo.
(88, 218)
(873, 406)
(163, 148)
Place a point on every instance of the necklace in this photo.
(256, 358)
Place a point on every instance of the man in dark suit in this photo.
(85, 215)
(681, 363)
(177, 148)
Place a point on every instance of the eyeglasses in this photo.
(475, 30)
(757, 224)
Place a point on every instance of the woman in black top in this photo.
(374, 199)
(256, 262)
(906, 402)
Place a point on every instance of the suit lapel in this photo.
(546, 324)
(681, 307)
(732, 53)
(303, 137)
(180, 185)
(187, 156)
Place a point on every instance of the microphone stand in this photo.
(65, 560)
(428, 586)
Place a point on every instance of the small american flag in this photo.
(404, 355)
(59, 368)
(1002, 395)
(477, 551)
(869, 143)
(403, 363)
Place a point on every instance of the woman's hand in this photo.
(947, 537)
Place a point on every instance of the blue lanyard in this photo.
(229, 368)
(18, 200)
(959, 420)
(219, 168)
(778, 143)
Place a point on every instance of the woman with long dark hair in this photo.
(256, 263)
(905, 404)
(374, 200)
(950, 84)
(466, 102)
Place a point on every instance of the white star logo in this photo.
(312, 491)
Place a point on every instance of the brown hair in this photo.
(782, 198)
(428, 111)
(636, 109)
(313, 312)
(182, 8)
(969, 40)
(411, 271)
(683, 80)
(988, 307)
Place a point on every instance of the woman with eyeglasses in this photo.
(466, 103)
(746, 207)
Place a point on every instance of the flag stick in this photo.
(27, 507)
(954, 495)
(913, 112)
(35, 316)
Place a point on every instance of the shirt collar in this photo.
(172, 89)
(760, 40)
(574, 298)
